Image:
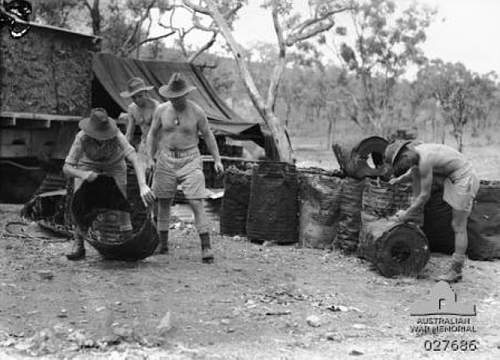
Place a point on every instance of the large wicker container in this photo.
(235, 202)
(380, 199)
(273, 207)
(125, 236)
(347, 236)
(482, 228)
(319, 205)
(396, 248)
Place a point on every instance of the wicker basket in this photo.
(273, 207)
(319, 205)
(235, 202)
(347, 236)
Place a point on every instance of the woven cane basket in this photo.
(125, 236)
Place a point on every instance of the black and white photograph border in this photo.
(249, 179)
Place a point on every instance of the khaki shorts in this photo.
(460, 188)
(179, 167)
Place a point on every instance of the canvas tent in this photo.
(112, 73)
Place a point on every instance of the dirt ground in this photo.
(254, 302)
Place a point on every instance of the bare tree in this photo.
(196, 25)
(291, 30)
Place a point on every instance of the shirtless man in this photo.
(178, 123)
(461, 184)
(140, 112)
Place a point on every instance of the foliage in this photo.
(386, 42)
(289, 83)
(461, 94)
(55, 12)
(124, 25)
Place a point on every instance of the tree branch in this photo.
(197, 8)
(155, 38)
(318, 24)
(87, 5)
(182, 34)
(272, 91)
(204, 48)
(198, 25)
(138, 25)
(233, 11)
(278, 29)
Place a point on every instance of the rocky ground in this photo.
(254, 302)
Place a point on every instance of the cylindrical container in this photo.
(125, 236)
(353, 156)
(111, 239)
(381, 201)
(111, 224)
(396, 248)
(437, 220)
(319, 205)
(235, 201)
(273, 206)
(482, 225)
(139, 212)
(349, 226)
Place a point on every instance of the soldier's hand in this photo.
(147, 196)
(91, 176)
(393, 181)
(399, 216)
(219, 168)
(123, 117)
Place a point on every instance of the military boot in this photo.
(78, 251)
(207, 255)
(454, 274)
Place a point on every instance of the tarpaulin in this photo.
(113, 73)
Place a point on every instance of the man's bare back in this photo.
(179, 130)
(443, 160)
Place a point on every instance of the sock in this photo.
(459, 258)
(205, 240)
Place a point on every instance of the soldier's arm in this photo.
(70, 167)
(405, 177)
(425, 177)
(129, 134)
(152, 137)
(208, 136)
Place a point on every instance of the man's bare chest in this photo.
(144, 117)
(174, 122)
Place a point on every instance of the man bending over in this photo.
(461, 184)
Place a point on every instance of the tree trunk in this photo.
(460, 140)
(331, 120)
(443, 131)
(95, 14)
(277, 129)
(288, 112)
(434, 127)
